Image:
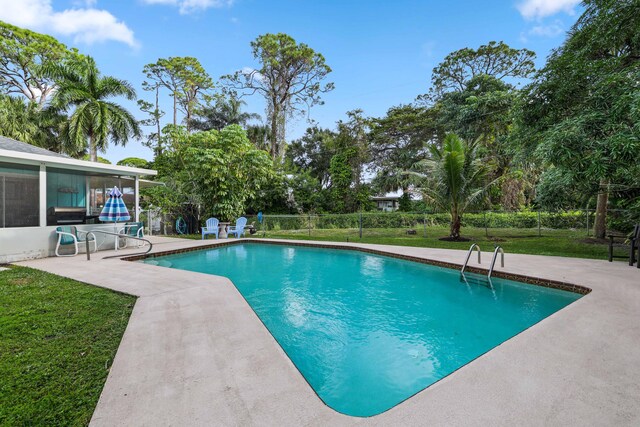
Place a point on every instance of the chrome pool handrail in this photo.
(466, 261)
(119, 235)
(493, 261)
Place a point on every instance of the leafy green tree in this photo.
(474, 94)
(306, 192)
(495, 59)
(100, 159)
(312, 153)
(454, 179)
(134, 162)
(483, 112)
(25, 121)
(224, 112)
(347, 166)
(23, 54)
(154, 115)
(341, 179)
(289, 78)
(398, 141)
(581, 114)
(95, 119)
(186, 80)
(219, 171)
(259, 135)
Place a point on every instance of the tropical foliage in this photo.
(95, 120)
(454, 179)
(490, 131)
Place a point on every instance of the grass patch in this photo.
(567, 243)
(58, 338)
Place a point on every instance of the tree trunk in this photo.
(93, 149)
(454, 231)
(157, 117)
(175, 109)
(274, 132)
(600, 223)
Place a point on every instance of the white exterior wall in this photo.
(23, 243)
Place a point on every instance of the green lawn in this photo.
(569, 243)
(58, 338)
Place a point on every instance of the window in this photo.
(66, 189)
(19, 196)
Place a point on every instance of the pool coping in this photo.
(547, 283)
(194, 352)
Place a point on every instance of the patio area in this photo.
(195, 352)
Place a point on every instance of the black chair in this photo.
(634, 245)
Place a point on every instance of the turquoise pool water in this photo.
(369, 331)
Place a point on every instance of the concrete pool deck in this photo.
(194, 353)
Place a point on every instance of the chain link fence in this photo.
(489, 223)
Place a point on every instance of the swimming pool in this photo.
(369, 331)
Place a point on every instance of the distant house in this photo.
(35, 181)
(387, 203)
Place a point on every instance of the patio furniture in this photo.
(211, 227)
(222, 228)
(132, 229)
(70, 235)
(115, 210)
(238, 229)
(634, 244)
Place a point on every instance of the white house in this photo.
(388, 203)
(34, 181)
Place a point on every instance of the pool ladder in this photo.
(466, 261)
(493, 260)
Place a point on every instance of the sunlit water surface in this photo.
(369, 331)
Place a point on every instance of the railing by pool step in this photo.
(493, 261)
(117, 235)
(466, 261)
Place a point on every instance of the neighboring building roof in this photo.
(12, 151)
(385, 198)
(13, 145)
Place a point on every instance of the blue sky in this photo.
(381, 52)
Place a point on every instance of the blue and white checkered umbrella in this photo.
(114, 209)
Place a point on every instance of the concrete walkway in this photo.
(194, 353)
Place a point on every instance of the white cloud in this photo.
(191, 6)
(531, 9)
(550, 30)
(84, 24)
(253, 73)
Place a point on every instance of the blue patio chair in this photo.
(132, 229)
(238, 229)
(211, 227)
(70, 235)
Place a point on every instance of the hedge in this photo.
(525, 219)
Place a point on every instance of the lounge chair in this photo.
(211, 227)
(634, 245)
(238, 229)
(132, 229)
(70, 235)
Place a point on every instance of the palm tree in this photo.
(95, 120)
(223, 113)
(455, 179)
(26, 122)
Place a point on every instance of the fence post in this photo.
(360, 225)
(539, 231)
(264, 225)
(587, 222)
(486, 229)
(309, 225)
(424, 224)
